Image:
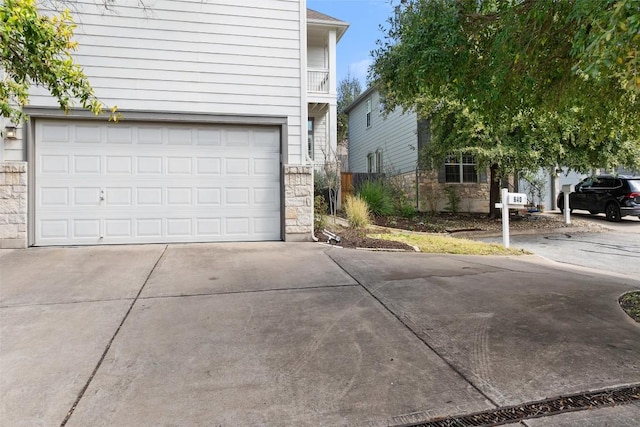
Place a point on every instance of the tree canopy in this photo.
(348, 90)
(37, 50)
(521, 84)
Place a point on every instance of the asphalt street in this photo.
(615, 249)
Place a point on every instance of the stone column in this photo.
(298, 203)
(13, 205)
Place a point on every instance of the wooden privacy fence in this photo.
(351, 181)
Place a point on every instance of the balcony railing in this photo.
(318, 81)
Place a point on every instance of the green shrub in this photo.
(357, 212)
(378, 198)
(319, 213)
(453, 199)
(407, 210)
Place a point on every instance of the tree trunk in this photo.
(494, 192)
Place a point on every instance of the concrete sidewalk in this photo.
(299, 334)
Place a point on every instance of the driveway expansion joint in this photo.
(45, 304)
(249, 291)
(429, 346)
(108, 347)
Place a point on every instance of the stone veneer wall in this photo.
(13, 205)
(298, 203)
(473, 197)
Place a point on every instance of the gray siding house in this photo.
(215, 141)
(390, 144)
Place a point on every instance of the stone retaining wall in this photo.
(474, 197)
(13, 205)
(298, 203)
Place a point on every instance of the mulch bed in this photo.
(358, 239)
(459, 225)
(469, 222)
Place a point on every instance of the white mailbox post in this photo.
(509, 200)
(566, 189)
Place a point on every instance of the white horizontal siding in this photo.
(316, 57)
(394, 134)
(219, 57)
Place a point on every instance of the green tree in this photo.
(348, 90)
(521, 84)
(37, 50)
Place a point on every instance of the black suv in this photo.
(616, 196)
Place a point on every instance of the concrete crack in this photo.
(108, 347)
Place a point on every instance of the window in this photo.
(378, 161)
(310, 137)
(460, 168)
(374, 162)
(369, 112)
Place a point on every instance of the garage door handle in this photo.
(102, 195)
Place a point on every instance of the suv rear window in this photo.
(634, 184)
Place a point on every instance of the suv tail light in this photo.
(633, 195)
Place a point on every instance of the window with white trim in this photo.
(369, 112)
(371, 163)
(378, 167)
(460, 168)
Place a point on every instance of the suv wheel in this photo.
(613, 212)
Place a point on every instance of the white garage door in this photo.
(155, 183)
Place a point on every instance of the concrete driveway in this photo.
(301, 334)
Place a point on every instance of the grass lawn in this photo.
(436, 244)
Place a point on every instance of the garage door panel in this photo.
(86, 196)
(208, 165)
(151, 183)
(54, 196)
(87, 134)
(149, 165)
(149, 196)
(54, 229)
(179, 227)
(118, 196)
(119, 135)
(118, 228)
(208, 196)
(236, 167)
(149, 227)
(208, 227)
(86, 228)
(238, 196)
(179, 196)
(209, 137)
(54, 164)
(237, 138)
(87, 165)
(55, 132)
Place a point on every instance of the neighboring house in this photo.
(212, 143)
(391, 143)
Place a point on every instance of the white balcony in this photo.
(318, 81)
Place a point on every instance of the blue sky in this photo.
(365, 17)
